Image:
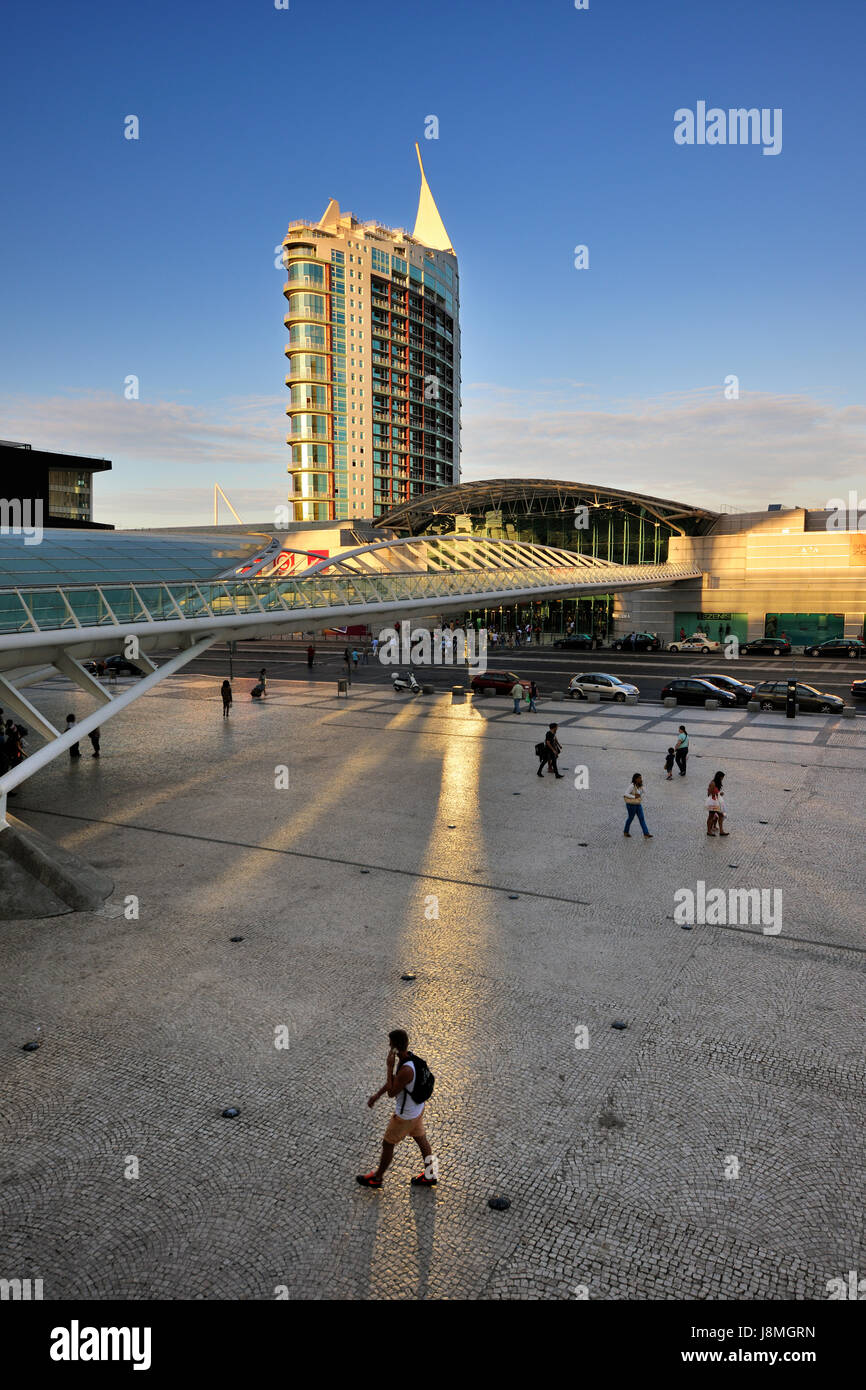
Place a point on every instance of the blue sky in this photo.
(156, 257)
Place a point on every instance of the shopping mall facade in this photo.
(788, 569)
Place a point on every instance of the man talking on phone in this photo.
(409, 1081)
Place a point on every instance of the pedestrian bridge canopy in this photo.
(53, 627)
(437, 574)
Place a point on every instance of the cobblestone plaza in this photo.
(711, 1149)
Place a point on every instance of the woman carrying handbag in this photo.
(633, 802)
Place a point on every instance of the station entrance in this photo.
(548, 618)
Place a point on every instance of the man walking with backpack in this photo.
(410, 1082)
(549, 751)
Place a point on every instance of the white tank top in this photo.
(405, 1108)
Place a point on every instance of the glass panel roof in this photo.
(116, 557)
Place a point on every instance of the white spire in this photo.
(429, 227)
(330, 218)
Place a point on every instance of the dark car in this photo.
(115, 665)
(637, 642)
(838, 646)
(774, 695)
(858, 690)
(766, 646)
(694, 690)
(577, 641)
(741, 690)
(500, 681)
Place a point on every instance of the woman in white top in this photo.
(633, 798)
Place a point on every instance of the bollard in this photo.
(594, 696)
(669, 702)
(753, 705)
(554, 695)
(711, 704)
(849, 712)
(458, 694)
(342, 688)
(428, 690)
(631, 699)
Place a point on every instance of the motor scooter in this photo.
(407, 682)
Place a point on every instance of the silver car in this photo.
(609, 687)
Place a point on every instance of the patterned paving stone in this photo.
(616, 1148)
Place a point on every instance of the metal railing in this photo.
(66, 608)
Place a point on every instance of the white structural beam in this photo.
(30, 675)
(12, 697)
(77, 673)
(61, 742)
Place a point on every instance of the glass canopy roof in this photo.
(68, 556)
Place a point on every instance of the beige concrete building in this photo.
(374, 362)
(797, 571)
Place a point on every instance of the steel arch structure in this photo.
(53, 629)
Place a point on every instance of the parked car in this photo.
(114, 665)
(695, 690)
(858, 690)
(838, 646)
(699, 642)
(609, 687)
(637, 642)
(766, 646)
(577, 641)
(500, 681)
(742, 690)
(774, 695)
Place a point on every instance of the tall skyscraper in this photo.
(374, 362)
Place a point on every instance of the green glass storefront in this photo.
(626, 536)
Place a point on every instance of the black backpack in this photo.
(541, 750)
(422, 1088)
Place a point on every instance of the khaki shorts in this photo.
(400, 1129)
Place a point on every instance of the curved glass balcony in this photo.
(310, 427)
(304, 366)
(309, 336)
(308, 397)
(314, 456)
(305, 273)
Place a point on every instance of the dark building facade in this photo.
(60, 486)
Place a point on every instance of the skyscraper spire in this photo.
(429, 227)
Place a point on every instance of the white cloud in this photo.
(166, 455)
(696, 447)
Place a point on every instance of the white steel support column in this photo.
(82, 677)
(61, 742)
(22, 707)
